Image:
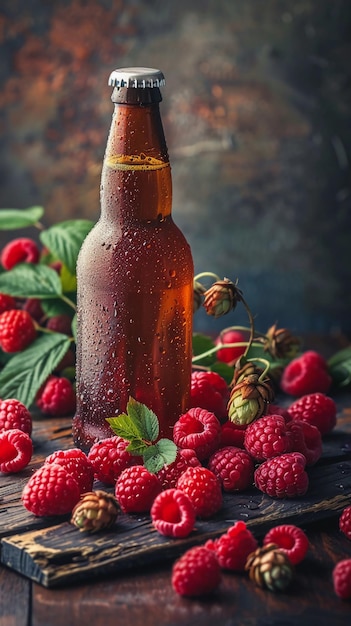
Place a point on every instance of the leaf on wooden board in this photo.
(65, 239)
(26, 371)
(144, 418)
(28, 280)
(10, 219)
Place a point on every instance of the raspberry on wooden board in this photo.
(136, 488)
(233, 547)
(56, 397)
(283, 476)
(173, 514)
(16, 449)
(307, 373)
(198, 429)
(209, 391)
(14, 414)
(316, 409)
(289, 538)
(196, 572)
(51, 490)
(342, 579)
(203, 489)
(234, 467)
(109, 458)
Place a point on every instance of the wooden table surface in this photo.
(144, 596)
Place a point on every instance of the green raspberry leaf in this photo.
(28, 280)
(144, 418)
(124, 426)
(202, 344)
(10, 219)
(65, 239)
(26, 371)
(162, 453)
(137, 447)
(339, 367)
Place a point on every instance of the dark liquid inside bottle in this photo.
(135, 286)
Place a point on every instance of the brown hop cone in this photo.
(280, 343)
(248, 399)
(95, 510)
(243, 368)
(199, 291)
(221, 298)
(270, 567)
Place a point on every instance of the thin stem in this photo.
(219, 346)
(68, 301)
(252, 325)
(266, 368)
(207, 274)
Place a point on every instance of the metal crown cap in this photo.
(138, 77)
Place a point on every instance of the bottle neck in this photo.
(136, 179)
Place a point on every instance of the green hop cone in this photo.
(248, 399)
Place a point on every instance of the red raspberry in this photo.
(16, 449)
(209, 391)
(34, 308)
(51, 490)
(56, 397)
(291, 539)
(306, 374)
(169, 474)
(345, 522)
(306, 439)
(230, 355)
(234, 468)
(233, 548)
(109, 458)
(267, 437)
(342, 579)
(232, 435)
(199, 430)
(275, 409)
(14, 414)
(77, 465)
(283, 476)
(316, 409)
(203, 489)
(17, 330)
(196, 573)
(60, 324)
(6, 303)
(173, 514)
(21, 250)
(136, 489)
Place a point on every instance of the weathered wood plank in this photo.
(61, 554)
(12, 586)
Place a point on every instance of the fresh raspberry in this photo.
(345, 522)
(283, 476)
(34, 308)
(109, 458)
(16, 449)
(233, 548)
(196, 573)
(275, 409)
(209, 391)
(21, 250)
(77, 465)
(306, 374)
(169, 474)
(305, 438)
(291, 539)
(232, 434)
(267, 437)
(51, 490)
(199, 430)
(14, 414)
(60, 324)
(342, 579)
(316, 409)
(6, 303)
(56, 397)
(17, 330)
(234, 468)
(173, 514)
(203, 489)
(136, 489)
(230, 355)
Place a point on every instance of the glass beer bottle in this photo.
(134, 275)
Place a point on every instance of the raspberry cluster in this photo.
(16, 446)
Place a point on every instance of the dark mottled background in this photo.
(258, 122)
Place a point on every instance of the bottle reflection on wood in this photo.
(134, 274)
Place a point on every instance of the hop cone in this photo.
(95, 510)
(270, 568)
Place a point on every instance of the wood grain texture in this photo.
(15, 603)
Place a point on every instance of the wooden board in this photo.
(53, 552)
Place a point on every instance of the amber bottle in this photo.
(134, 275)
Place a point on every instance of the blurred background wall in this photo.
(257, 116)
